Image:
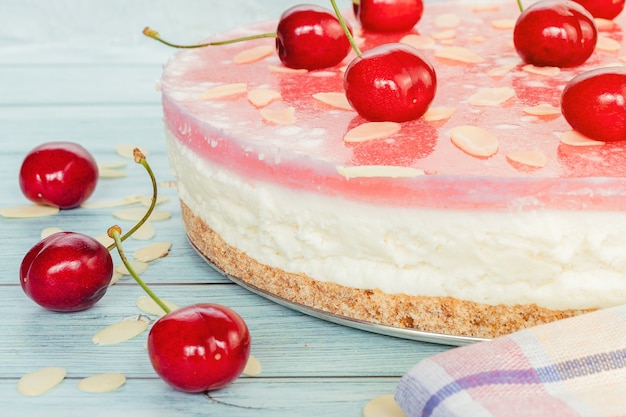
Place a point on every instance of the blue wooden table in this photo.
(82, 71)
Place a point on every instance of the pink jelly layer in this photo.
(231, 132)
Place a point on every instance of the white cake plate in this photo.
(399, 332)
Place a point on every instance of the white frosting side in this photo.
(555, 259)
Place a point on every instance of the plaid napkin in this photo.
(570, 368)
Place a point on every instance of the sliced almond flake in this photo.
(127, 150)
(604, 25)
(491, 96)
(622, 58)
(286, 116)
(48, 231)
(484, 7)
(138, 267)
(533, 158)
(383, 406)
(333, 99)
(104, 239)
(503, 24)
(109, 173)
(253, 367)
(135, 214)
(121, 331)
(28, 211)
(607, 44)
(474, 140)
(145, 232)
(261, 97)
(543, 109)
(40, 381)
(382, 171)
(115, 278)
(501, 70)
(443, 35)
(477, 39)
(146, 201)
(112, 165)
(149, 306)
(372, 130)
(287, 70)
(418, 41)
(447, 20)
(101, 383)
(458, 53)
(574, 138)
(254, 54)
(151, 252)
(322, 74)
(547, 71)
(226, 90)
(439, 113)
(104, 204)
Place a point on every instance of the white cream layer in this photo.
(555, 259)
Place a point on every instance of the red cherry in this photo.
(391, 82)
(388, 15)
(605, 9)
(66, 271)
(594, 103)
(310, 37)
(200, 347)
(555, 33)
(60, 174)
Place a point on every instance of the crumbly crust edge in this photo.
(443, 315)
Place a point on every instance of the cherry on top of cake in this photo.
(482, 83)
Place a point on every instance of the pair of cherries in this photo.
(195, 348)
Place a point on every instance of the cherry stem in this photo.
(114, 232)
(151, 33)
(140, 158)
(520, 5)
(344, 26)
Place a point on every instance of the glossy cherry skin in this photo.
(66, 271)
(594, 103)
(388, 15)
(605, 9)
(59, 174)
(310, 37)
(391, 82)
(199, 347)
(556, 33)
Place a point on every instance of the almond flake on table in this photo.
(434, 114)
(501, 70)
(542, 109)
(372, 130)
(226, 90)
(604, 25)
(447, 21)
(101, 383)
(255, 54)
(146, 201)
(109, 173)
(151, 252)
(418, 41)
(105, 204)
(138, 267)
(115, 278)
(491, 96)
(573, 138)
(503, 24)
(334, 99)
(547, 71)
(383, 406)
(127, 150)
(104, 239)
(286, 116)
(40, 381)
(136, 214)
(474, 140)
(531, 158)
(460, 54)
(286, 70)
(379, 171)
(607, 44)
(149, 306)
(28, 211)
(121, 331)
(48, 231)
(443, 35)
(253, 367)
(260, 97)
(145, 232)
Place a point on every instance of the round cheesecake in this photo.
(486, 215)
